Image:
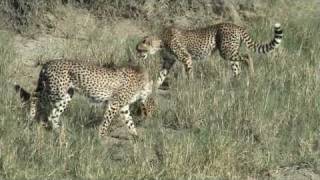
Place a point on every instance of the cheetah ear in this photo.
(144, 39)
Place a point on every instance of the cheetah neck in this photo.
(157, 44)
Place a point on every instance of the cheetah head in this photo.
(149, 45)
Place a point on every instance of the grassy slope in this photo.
(209, 127)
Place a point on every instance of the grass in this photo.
(207, 128)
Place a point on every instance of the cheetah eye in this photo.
(144, 41)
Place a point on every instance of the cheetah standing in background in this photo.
(117, 87)
(188, 45)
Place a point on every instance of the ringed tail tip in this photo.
(277, 25)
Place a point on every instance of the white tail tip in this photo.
(277, 25)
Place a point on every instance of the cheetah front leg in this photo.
(168, 62)
(34, 105)
(58, 108)
(112, 110)
(184, 56)
(30, 99)
(147, 101)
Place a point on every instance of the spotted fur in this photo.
(188, 45)
(116, 87)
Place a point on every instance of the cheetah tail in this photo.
(24, 95)
(264, 48)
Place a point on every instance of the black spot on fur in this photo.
(71, 92)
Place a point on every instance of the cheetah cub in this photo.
(116, 87)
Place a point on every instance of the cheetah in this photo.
(188, 45)
(115, 87)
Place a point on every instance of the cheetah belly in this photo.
(94, 87)
(199, 54)
(196, 56)
(97, 99)
(96, 95)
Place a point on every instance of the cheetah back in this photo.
(98, 83)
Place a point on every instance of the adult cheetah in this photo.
(188, 45)
(117, 87)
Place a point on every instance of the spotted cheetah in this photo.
(188, 45)
(116, 87)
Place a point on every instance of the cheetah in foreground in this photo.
(188, 45)
(117, 87)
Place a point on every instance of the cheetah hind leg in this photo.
(236, 68)
(235, 60)
(183, 56)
